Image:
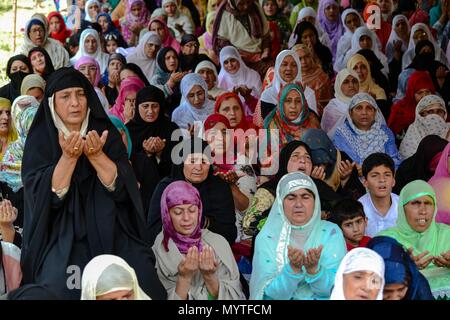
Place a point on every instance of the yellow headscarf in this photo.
(368, 86)
(5, 104)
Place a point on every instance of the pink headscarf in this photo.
(180, 193)
(128, 85)
(440, 182)
(89, 60)
(130, 19)
(170, 40)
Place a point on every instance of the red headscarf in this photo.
(246, 122)
(403, 112)
(209, 123)
(63, 32)
(169, 41)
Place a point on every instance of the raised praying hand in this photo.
(420, 260)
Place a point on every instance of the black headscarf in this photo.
(11, 90)
(89, 221)
(149, 171)
(322, 52)
(161, 58)
(137, 70)
(49, 69)
(417, 166)
(217, 199)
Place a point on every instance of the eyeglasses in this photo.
(36, 30)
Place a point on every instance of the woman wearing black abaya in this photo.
(422, 164)
(81, 197)
(17, 68)
(196, 168)
(150, 133)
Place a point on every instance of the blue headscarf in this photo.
(121, 127)
(111, 26)
(399, 268)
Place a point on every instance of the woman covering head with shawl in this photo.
(108, 27)
(330, 21)
(101, 57)
(359, 136)
(128, 86)
(208, 71)
(273, 275)
(292, 116)
(187, 112)
(132, 21)
(140, 56)
(242, 76)
(109, 277)
(234, 111)
(336, 111)
(403, 38)
(345, 42)
(59, 55)
(403, 111)
(91, 10)
(367, 36)
(183, 239)
(151, 136)
(400, 269)
(360, 65)
(93, 219)
(360, 276)
(421, 31)
(38, 55)
(431, 119)
(62, 33)
(418, 232)
(10, 168)
(168, 40)
(30, 82)
(17, 68)
(440, 182)
(217, 199)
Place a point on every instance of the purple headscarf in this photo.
(89, 60)
(334, 29)
(180, 193)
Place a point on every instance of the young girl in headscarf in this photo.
(183, 241)
(309, 14)
(57, 26)
(108, 27)
(136, 18)
(360, 276)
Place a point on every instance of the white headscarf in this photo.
(432, 124)
(86, 10)
(244, 76)
(206, 64)
(358, 259)
(411, 52)
(138, 56)
(336, 111)
(345, 42)
(185, 113)
(364, 31)
(394, 37)
(108, 273)
(270, 94)
(101, 57)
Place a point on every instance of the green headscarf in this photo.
(436, 239)
(121, 127)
